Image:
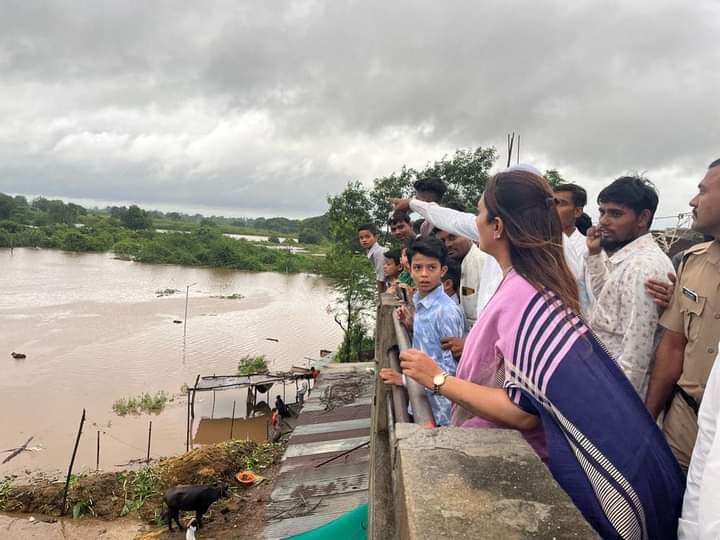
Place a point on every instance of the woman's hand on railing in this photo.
(419, 366)
(390, 376)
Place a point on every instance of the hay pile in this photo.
(112, 495)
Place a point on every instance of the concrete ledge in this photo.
(460, 483)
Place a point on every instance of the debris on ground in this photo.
(345, 390)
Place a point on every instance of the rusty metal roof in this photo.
(332, 421)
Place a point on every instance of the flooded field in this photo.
(94, 330)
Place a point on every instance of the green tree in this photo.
(7, 206)
(76, 241)
(347, 212)
(354, 282)
(395, 186)
(554, 178)
(309, 237)
(466, 173)
(136, 219)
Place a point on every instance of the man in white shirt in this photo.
(625, 316)
(700, 518)
(570, 201)
(472, 262)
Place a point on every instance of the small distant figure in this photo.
(315, 373)
(301, 392)
(391, 268)
(282, 409)
(191, 528)
(18, 356)
(275, 420)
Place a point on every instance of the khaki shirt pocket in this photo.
(692, 311)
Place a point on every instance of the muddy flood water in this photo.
(94, 330)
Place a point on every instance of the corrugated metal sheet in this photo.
(305, 496)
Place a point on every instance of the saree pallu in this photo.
(603, 446)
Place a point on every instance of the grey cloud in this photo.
(274, 105)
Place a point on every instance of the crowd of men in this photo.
(660, 322)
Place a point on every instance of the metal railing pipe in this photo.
(421, 410)
(399, 395)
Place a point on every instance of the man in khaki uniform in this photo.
(689, 345)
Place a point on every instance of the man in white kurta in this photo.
(700, 518)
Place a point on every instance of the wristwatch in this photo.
(438, 381)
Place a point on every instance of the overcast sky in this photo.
(263, 108)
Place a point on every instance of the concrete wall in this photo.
(460, 483)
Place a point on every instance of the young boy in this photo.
(451, 281)
(367, 235)
(436, 315)
(391, 267)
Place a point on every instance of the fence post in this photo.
(72, 462)
(149, 438)
(232, 421)
(97, 457)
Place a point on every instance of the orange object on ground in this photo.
(246, 477)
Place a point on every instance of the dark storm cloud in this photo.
(273, 105)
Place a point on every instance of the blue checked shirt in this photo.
(437, 315)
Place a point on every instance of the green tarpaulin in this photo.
(350, 526)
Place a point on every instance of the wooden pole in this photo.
(187, 430)
(149, 439)
(232, 421)
(187, 297)
(518, 149)
(212, 414)
(72, 462)
(284, 399)
(194, 391)
(97, 456)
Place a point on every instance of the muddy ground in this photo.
(138, 494)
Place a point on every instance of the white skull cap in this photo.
(524, 167)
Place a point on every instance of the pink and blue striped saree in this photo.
(596, 436)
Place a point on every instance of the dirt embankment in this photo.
(139, 493)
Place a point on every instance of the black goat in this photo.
(197, 498)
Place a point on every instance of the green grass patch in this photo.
(144, 403)
(252, 364)
(5, 491)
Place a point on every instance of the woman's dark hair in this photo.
(453, 273)
(417, 224)
(714, 164)
(583, 223)
(633, 192)
(525, 203)
(393, 254)
(430, 247)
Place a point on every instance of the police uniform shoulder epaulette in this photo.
(697, 249)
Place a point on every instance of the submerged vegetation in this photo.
(144, 403)
(249, 364)
(153, 237)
